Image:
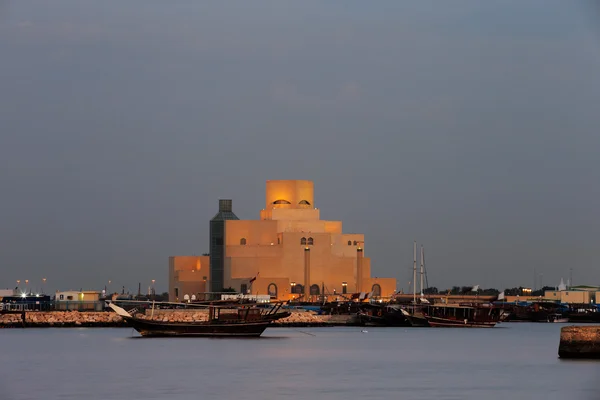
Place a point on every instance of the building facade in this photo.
(188, 275)
(290, 252)
(87, 300)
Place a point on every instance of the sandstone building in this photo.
(290, 252)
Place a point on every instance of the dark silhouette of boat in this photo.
(415, 316)
(546, 312)
(539, 311)
(240, 321)
(382, 315)
(580, 313)
(462, 315)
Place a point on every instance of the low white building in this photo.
(72, 295)
(78, 300)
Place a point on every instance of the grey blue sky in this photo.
(470, 126)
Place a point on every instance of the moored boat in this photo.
(382, 315)
(462, 316)
(222, 321)
(414, 313)
(584, 313)
(415, 316)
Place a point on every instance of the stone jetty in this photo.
(579, 342)
(42, 319)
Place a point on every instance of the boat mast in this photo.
(415, 272)
(422, 261)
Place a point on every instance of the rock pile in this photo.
(299, 318)
(9, 320)
(61, 319)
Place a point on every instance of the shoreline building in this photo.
(289, 253)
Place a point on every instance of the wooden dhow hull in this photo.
(237, 324)
(160, 329)
(453, 323)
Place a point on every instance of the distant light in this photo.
(23, 295)
(37, 295)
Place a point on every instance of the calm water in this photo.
(517, 361)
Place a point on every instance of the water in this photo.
(517, 361)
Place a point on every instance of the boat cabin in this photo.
(463, 312)
(234, 314)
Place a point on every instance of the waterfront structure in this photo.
(188, 275)
(579, 342)
(85, 300)
(290, 252)
(72, 295)
(575, 295)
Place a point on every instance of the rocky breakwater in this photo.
(41, 319)
(579, 342)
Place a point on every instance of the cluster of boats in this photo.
(472, 314)
(252, 320)
(431, 315)
(551, 312)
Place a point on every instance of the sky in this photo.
(471, 127)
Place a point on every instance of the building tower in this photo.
(217, 247)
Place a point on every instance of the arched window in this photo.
(314, 290)
(310, 241)
(349, 242)
(376, 289)
(243, 241)
(303, 241)
(355, 242)
(281, 202)
(304, 202)
(297, 289)
(272, 290)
